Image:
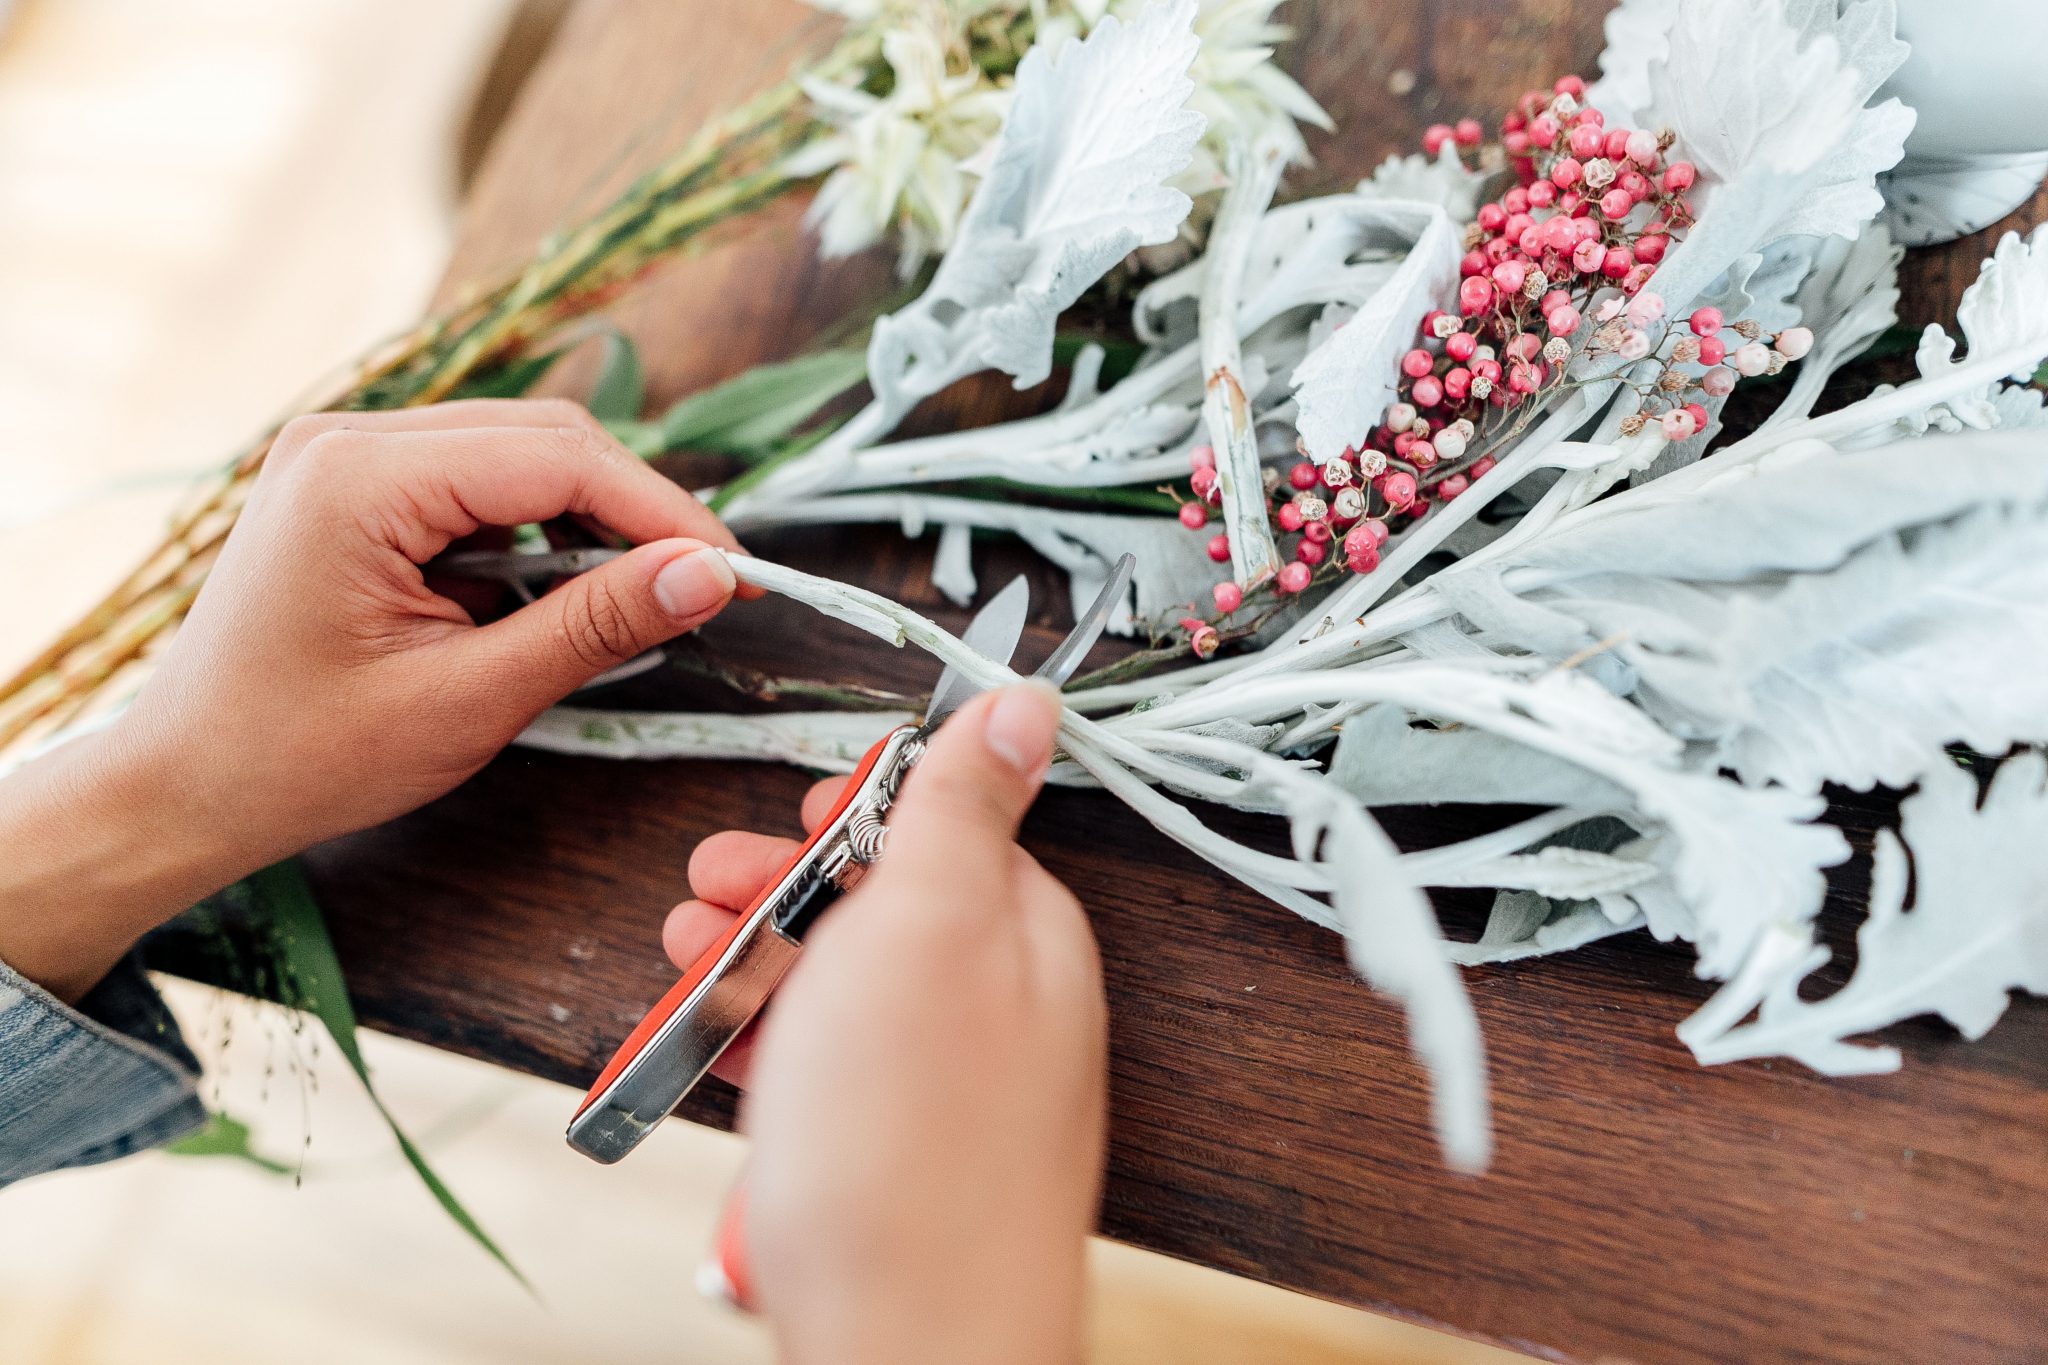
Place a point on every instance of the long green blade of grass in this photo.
(309, 963)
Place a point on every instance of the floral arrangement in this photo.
(1668, 645)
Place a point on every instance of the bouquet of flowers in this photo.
(1451, 522)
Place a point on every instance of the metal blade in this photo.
(994, 631)
(1064, 660)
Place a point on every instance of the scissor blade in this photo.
(1064, 660)
(993, 632)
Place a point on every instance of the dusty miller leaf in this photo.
(1863, 675)
(1768, 99)
(1384, 761)
(1978, 929)
(1524, 924)
(1076, 181)
(1831, 618)
(1848, 300)
(1344, 386)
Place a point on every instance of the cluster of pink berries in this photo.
(1593, 208)
(1336, 508)
(1696, 359)
(1575, 240)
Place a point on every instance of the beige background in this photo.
(205, 207)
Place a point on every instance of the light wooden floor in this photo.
(205, 207)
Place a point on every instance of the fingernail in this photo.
(1021, 726)
(694, 585)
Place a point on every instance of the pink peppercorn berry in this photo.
(1206, 485)
(1361, 549)
(1705, 321)
(1310, 552)
(1229, 597)
(1288, 518)
(1202, 457)
(1219, 549)
(1193, 515)
(1303, 476)
(1293, 577)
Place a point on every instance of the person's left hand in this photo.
(320, 685)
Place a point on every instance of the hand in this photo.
(320, 685)
(927, 1099)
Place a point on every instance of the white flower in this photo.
(900, 160)
(907, 161)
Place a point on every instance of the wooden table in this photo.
(1267, 1116)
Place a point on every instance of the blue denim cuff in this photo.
(86, 1085)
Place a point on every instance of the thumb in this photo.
(600, 619)
(967, 795)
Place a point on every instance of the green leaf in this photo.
(773, 460)
(749, 414)
(313, 972)
(1109, 499)
(2040, 379)
(510, 380)
(228, 1137)
(621, 388)
(1120, 355)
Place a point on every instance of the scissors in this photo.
(670, 1050)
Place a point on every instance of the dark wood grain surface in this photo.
(1267, 1116)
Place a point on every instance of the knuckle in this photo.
(559, 412)
(296, 436)
(586, 442)
(598, 626)
(331, 446)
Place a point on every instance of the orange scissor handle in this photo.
(722, 990)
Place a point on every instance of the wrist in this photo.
(101, 840)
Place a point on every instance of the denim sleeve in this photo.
(86, 1085)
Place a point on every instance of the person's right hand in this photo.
(927, 1099)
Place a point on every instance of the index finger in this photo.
(453, 482)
